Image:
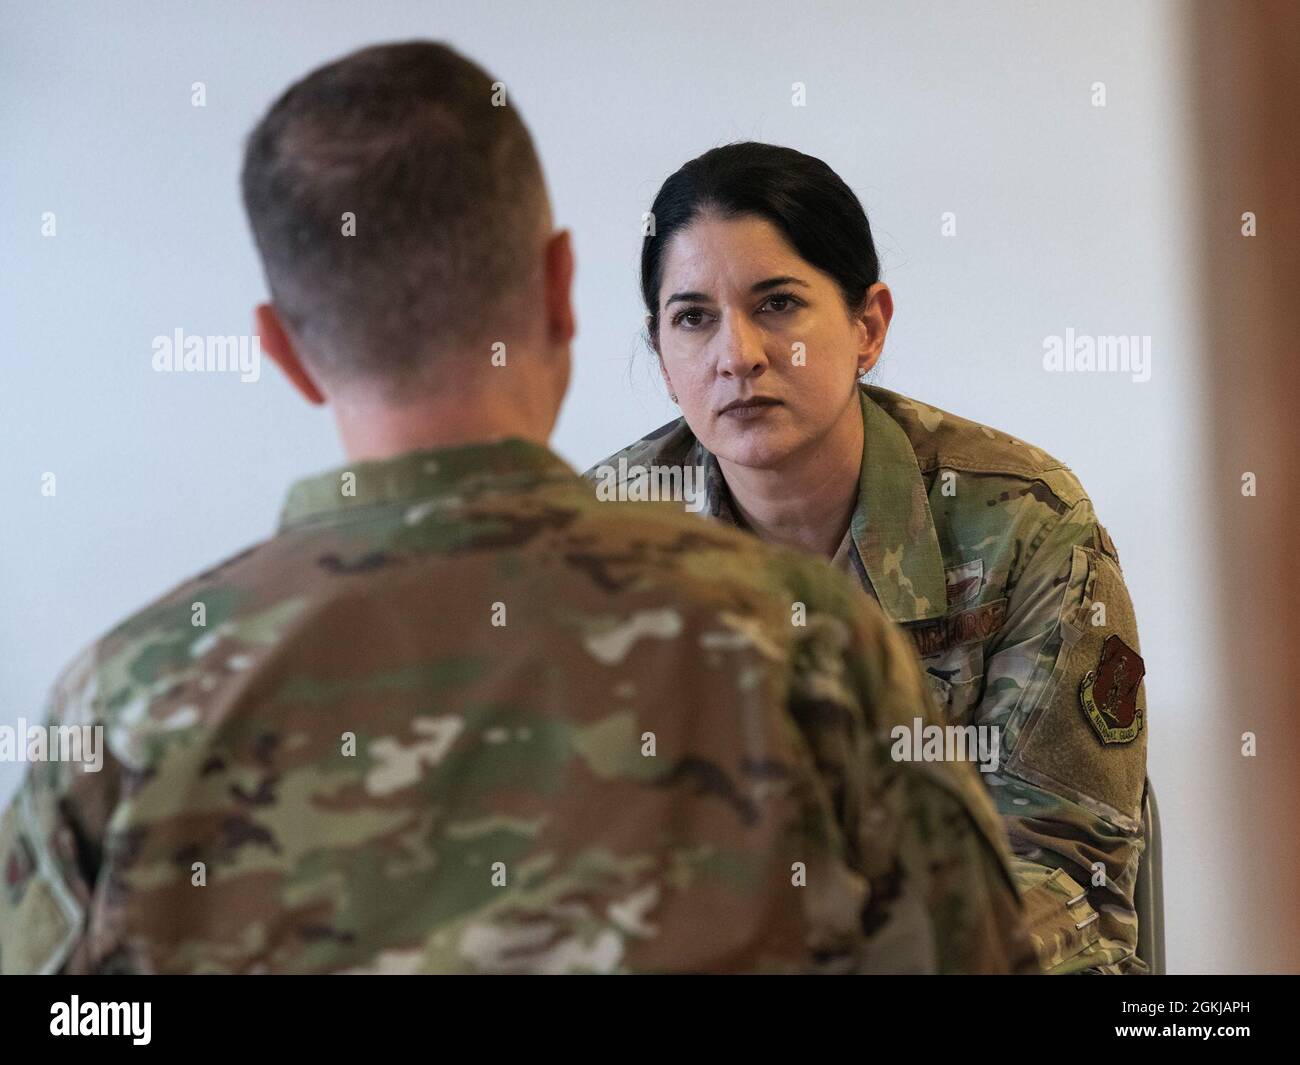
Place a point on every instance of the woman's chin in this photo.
(753, 448)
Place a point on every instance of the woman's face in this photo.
(756, 344)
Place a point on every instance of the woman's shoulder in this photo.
(669, 445)
(944, 440)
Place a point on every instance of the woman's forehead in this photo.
(730, 252)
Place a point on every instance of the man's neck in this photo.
(371, 430)
(808, 501)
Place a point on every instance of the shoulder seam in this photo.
(1036, 544)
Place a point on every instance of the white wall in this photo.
(1068, 216)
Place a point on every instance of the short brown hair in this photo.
(448, 198)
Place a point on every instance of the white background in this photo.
(1068, 216)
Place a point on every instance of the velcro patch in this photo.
(1086, 738)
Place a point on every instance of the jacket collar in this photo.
(449, 474)
(893, 529)
(892, 526)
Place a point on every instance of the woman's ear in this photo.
(668, 381)
(652, 333)
(652, 338)
(871, 324)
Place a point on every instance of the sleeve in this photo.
(51, 836)
(925, 835)
(1064, 681)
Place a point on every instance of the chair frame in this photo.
(1149, 891)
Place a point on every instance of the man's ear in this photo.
(560, 322)
(872, 323)
(276, 343)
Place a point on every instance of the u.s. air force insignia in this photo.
(1109, 692)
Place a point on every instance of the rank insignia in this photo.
(1109, 692)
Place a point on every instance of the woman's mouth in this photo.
(747, 409)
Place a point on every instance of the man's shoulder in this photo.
(703, 561)
(205, 600)
(179, 643)
(943, 440)
(190, 645)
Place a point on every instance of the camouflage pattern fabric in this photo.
(459, 716)
(986, 550)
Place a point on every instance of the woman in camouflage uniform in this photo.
(765, 309)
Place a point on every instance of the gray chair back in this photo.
(1149, 893)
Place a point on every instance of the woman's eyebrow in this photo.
(777, 282)
(762, 286)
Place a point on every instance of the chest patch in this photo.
(968, 626)
(964, 582)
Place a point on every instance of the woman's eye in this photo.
(779, 303)
(690, 319)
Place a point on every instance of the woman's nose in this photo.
(742, 353)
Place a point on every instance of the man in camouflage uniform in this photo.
(456, 714)
(987, 552)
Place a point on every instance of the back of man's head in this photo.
(399, 208)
